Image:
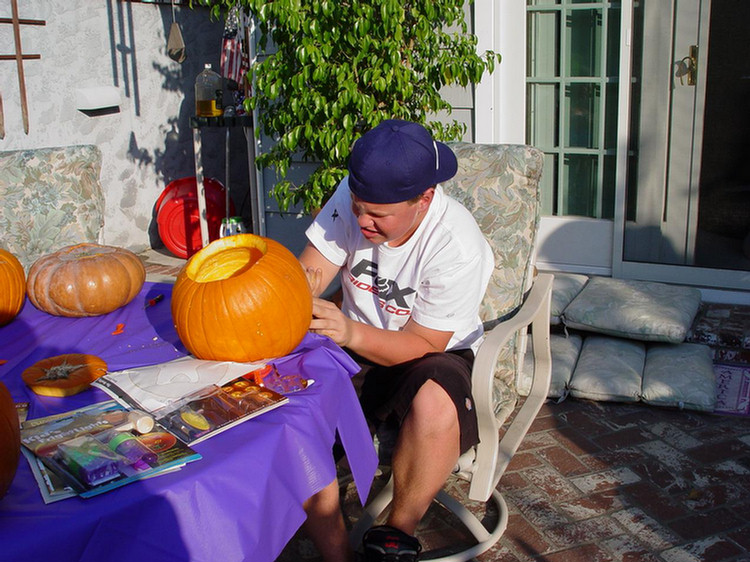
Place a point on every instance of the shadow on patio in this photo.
(601, 482)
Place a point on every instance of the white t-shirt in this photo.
(438, 276)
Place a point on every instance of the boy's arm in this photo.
(384, 347)
(388, 347)
(320, 271)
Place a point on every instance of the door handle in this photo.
(688, 67)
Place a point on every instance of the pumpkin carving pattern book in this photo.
(85, 280)
(242, 298)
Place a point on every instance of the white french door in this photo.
(683, 210)
(642, 108)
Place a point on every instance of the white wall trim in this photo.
(575, 244)
(500, 110)
(623, 134)
(485, 92)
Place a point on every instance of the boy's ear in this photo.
(427, 197)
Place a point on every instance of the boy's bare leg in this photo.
(325, 525)
(426, 453)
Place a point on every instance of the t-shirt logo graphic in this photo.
(386, 289)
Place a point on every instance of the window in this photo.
(571, 87)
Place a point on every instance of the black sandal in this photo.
(388, 544)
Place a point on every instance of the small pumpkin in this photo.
(64, 375)
(10, 440)
(85, 280)
(12, 287)
(241, 298)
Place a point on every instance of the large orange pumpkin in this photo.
(85, 280)
(12, 287)
(10, 440)
(241, 298)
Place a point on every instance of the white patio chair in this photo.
(499, 184)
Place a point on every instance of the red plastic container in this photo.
(178, 219)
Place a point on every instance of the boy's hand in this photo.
(328, 320)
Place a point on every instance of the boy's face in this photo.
(391, 223)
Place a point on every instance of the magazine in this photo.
(51, 487)
(196, 399)
(97, 448)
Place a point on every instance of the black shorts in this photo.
(386, 393)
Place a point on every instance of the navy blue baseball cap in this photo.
(396, 161)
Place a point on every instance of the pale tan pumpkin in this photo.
(64, 375)
(12, 287)
(10, 440)
(85, 280)
(242, 298)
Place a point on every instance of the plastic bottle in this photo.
(231, 226)
(208, 93)
(129, 446)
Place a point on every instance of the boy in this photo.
(414, 267)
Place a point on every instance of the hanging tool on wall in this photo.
(175, 44)
(2, 119)
(19, 65)
(19, 57)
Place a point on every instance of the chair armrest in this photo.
(493, 456)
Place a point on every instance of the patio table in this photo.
(241, 501)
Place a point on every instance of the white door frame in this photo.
(576, 244)
(500, 98)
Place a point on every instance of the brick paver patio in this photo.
(606, 482)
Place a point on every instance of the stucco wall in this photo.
(148, 142)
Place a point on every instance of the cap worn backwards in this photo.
(396, 161)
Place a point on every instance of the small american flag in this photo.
(234, 56)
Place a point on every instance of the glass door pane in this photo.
(688, 200)
(572, 78)
(584, 42)
(723, 234)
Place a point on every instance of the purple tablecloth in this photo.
(242, 501)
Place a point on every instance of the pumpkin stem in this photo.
(58, 372)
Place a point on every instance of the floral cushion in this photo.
(565, 350)
(499, 185)
(609, 369)
(660, 374)
(565, 288)
(681, 376)
(49, 198)
(636, 310)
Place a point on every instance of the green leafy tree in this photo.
(336, 68)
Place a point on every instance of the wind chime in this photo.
(19, 57)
